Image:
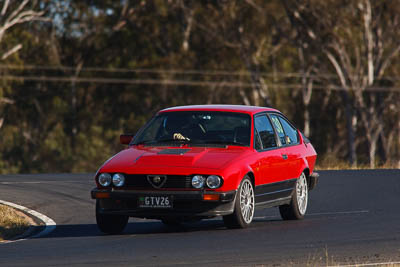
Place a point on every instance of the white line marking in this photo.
(21, 182)
(338, 212)
(368, 264)
(50, 225)
(265, 217)
(320, 213)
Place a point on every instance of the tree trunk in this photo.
(245, 99)
(372, 153)
(307, 87)
(386, 144)
(259, 88)
(188, 13)
(398, 144)
(351, 123)
(306, 121)
(74, 106)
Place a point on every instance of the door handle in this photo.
(284, 156)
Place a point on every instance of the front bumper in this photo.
(185, 203)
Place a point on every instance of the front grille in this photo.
(140, 181)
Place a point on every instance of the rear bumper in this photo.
(185, 203)
(313, 180)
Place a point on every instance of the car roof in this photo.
(226, 108)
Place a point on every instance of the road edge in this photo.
(50, 224)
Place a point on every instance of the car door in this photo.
(289, 138)
(271, 162)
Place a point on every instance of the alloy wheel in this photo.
(247, 201)
(302, 194)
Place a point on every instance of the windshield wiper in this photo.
(145, 142)
(222, 142)
(172, 140)
(162, 142)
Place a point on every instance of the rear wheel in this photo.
(298, 205)
(244, 206)
(110, 224)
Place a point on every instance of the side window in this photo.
(265, 131)
(279, 129)
(257, 140)
(291, 132)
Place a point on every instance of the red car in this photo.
(195, 162)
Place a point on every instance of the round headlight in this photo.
(198, 181)
(118, 179)
(213, 181)
(104, 179)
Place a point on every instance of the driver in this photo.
(175, 126)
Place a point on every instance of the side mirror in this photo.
(305, 138)
(125, 139)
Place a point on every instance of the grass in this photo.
(325, 259)
(12, 223)
(329, 162)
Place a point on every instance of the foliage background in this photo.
(87, 71)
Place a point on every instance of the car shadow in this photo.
(133, 228)
(143, 227)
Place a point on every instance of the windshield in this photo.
(197, 127)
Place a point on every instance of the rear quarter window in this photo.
(288, 134)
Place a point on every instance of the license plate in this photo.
(155, 202)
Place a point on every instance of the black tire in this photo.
(110, 224)
(292, 211)
(239, 218)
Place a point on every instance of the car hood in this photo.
(134, 158)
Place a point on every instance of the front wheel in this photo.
(110, 224)
(244, 206)
(298, 205)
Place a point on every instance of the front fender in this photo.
(234, 174)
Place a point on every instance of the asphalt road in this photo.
(353, 217)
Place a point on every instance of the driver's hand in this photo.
(178, 136)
